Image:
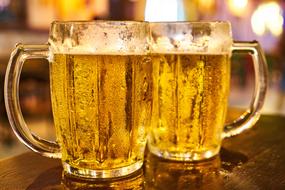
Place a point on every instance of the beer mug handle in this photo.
(252, 114)
(11, 94)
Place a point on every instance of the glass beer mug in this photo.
(191, 83)
(100, 84)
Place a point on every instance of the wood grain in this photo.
(254, 160)
(264, 147)
(21, 171)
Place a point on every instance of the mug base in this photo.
(112, 173)
(184, 156)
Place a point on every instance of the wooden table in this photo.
(252, 160)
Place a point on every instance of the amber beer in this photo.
(189, 104)
(106, 92)
(173, 175)
(101, 106)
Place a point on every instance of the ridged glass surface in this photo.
(101, 106)
(189, 104)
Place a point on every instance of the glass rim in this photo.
(91, 22)
(222, 22)
(79, 22)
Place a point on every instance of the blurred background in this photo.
(28, 21)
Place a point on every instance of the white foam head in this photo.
(99, 37)
(191, 37)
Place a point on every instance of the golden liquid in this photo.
(189, 102)
(170, 175)
(101, 105)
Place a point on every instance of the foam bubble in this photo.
(98, 37)
(187, 37)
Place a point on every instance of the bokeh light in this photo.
(237, 7)
(161, 10)
(267, 18)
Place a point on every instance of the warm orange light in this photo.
(237, 7)
(206, 5)
(75, 9)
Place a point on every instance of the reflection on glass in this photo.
(165, 174)
(134, 181)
